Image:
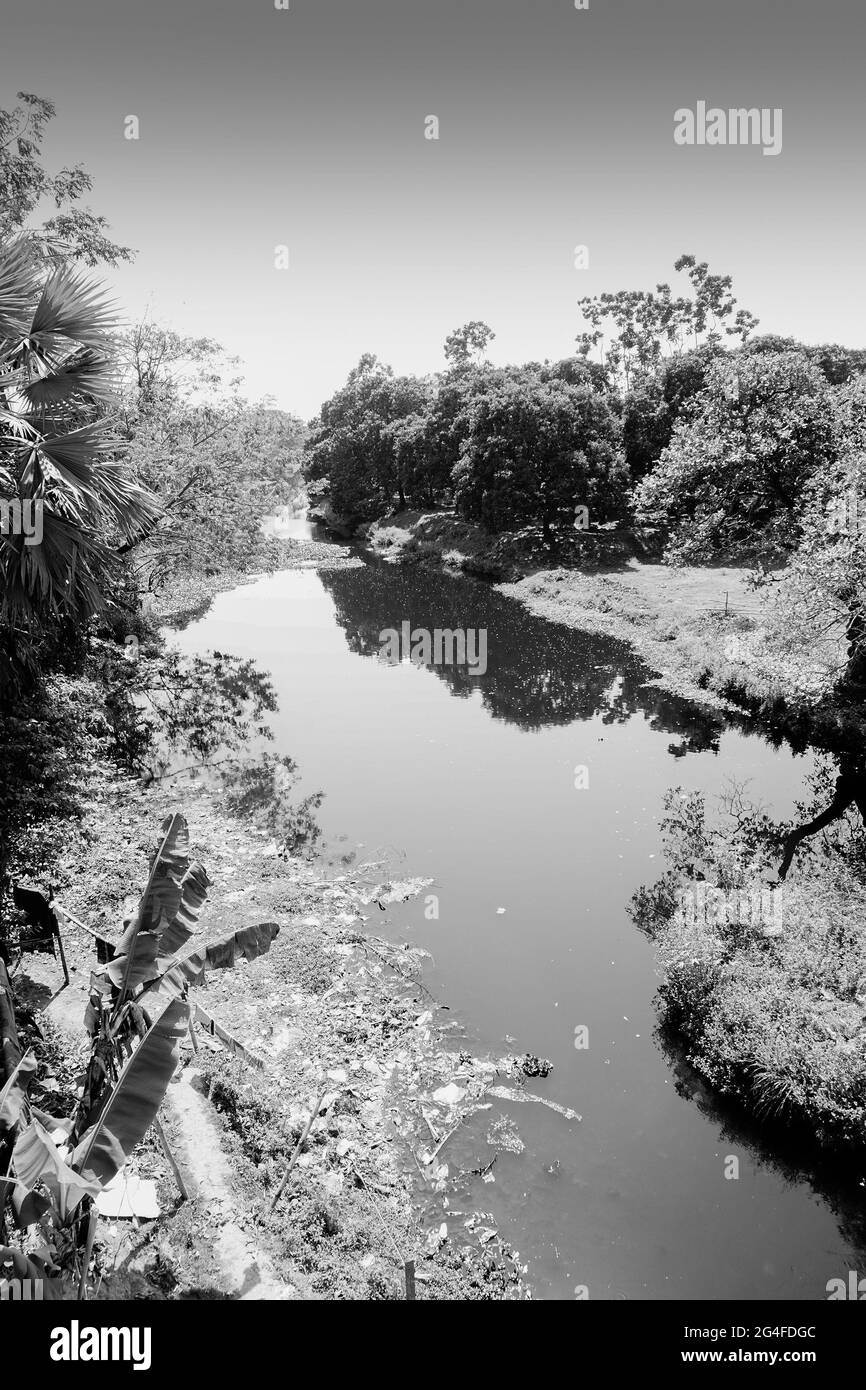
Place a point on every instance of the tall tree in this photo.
(67, 498)
(534, 451)
(73, 232)
(729, 483)
(468, 344)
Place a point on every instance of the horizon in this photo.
(305, 128)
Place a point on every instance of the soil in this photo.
(330, 1008)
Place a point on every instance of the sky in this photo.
(305, 127)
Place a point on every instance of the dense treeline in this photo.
(672, 417)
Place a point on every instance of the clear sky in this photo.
(261, 127)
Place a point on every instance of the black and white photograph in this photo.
(432, 672)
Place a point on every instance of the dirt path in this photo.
(240, 1268)
(246, 1269)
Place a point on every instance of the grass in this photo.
(772, 1011)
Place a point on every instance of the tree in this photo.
(216, 462)
(818, 612)
(467, 344)
(363, 445)
(728, 484)
(654, 404)
(56, 464)
(643, 326)
(74, 232)
(536, 450)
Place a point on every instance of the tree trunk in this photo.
(855, 632)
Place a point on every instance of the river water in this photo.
(470, 781)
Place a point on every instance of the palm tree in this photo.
(56, 445)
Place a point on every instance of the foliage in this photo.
(467, 344)
(383, 439)
(46, 746)
(74, 232)
(645, 325)
(818, 603)
(159, 703)
(769, 1003)
(365, 441)
(260, 790)
(217, 463)
(55, 370)
(138, 1011)
(655, 402)
(729, 484)
(534, 451)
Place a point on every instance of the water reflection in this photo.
(538, 674)
(792, 1154)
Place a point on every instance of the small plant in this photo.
(137, 1016)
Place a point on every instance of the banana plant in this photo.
(150, 968)
(138, 1014)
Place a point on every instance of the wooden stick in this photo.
(82, 925)
(62, 954)
(157, 1124)
(92, 1222)
(409, 1271)
(300, 1144)
(444, 1140)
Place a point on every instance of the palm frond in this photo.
(88, 373)
(75, 307)
(19, 286)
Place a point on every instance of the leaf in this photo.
(73, 306)
(193, 891)
(87, 372)
(19, 285)
(185, 972)
(28, 1267)
(141, 967)
(134, 1102)
(14, 1093)
(161, 898)
(28, 1207)
(36, 1159)
(248, 943)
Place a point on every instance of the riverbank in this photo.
(248, 1114)
(703, 631)
(186, 598)
(772, 1013)
(331, 1007)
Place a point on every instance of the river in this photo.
(470, 780)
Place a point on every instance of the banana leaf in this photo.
(184, 972)
(36, 1159)
(162, 896)
(14, 1094)
(135, 960)
(134, 1103)
(193, 891)
(167, 914)
(15, 1265)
